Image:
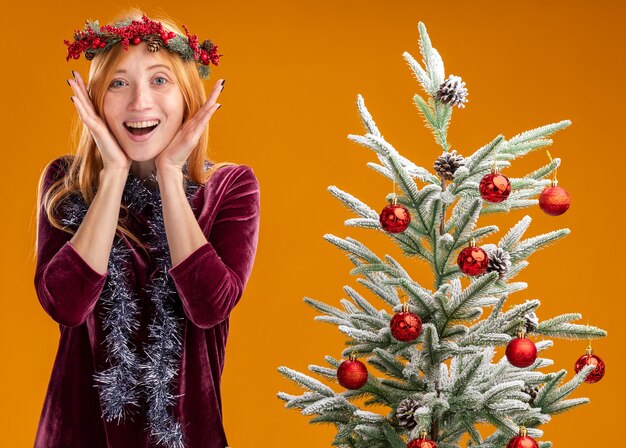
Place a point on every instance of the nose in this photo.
(140, 97)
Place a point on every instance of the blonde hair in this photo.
(82, 174)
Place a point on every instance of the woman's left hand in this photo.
(185, 140)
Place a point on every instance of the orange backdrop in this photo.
(293, 72)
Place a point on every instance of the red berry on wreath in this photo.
(136, 40)
(422, 442)
(395, 218)
(522, 440)
(352, 373)
(495, 187)
(554, 200)
(589, 359)
(521, 351)
(473, 260)
(406, 326)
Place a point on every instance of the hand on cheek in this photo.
(185, 140)
(112, 155)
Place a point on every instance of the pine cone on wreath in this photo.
(447, 163)
(90, 53)
(452, 91)
(405, 411)
(154, 42)
(207, 45)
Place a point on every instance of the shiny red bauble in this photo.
(473, 260)
(395, 218)
(406, 326)
(521, 352)
(522, 442)
(422, 442)
(352, 374)
(495, 187)
(589, 359)
(554, 200)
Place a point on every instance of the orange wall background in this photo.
(293, 71)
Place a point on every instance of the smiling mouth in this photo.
(140, 130)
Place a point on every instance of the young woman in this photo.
(144, 248)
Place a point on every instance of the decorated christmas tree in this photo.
(428, 376)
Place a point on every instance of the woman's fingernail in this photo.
(68, 82)
(223, 81)
(72, 99)
(73, 74)
(218, 106)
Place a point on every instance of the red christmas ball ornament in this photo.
(522, 440)
(395, 218)
(521, 352)
(473, 260)
(421, 442)
(589, 359)
(495, 187)
(554, 200)
(406, 326)
(352, 373)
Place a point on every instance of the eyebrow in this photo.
(149, 68)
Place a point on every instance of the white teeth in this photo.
(141, 124)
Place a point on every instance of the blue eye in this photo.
(161, 77)
(113, 83)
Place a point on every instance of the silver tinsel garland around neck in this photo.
(133, 378)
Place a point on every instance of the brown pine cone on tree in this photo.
(532, 391)
(447, 163)
(499, 260)
(452, 91)
(531, 321)
(405, 411)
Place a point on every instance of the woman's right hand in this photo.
(113, 157)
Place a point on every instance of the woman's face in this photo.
(143, 104)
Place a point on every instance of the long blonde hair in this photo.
(82, 174)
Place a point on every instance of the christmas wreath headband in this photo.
(96, 39)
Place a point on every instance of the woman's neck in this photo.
(143, 170)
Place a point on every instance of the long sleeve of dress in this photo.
(66, 285)
(211, 279)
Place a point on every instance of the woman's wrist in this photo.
(166, 173)
(110, 174)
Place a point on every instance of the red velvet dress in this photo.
(209, 282)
